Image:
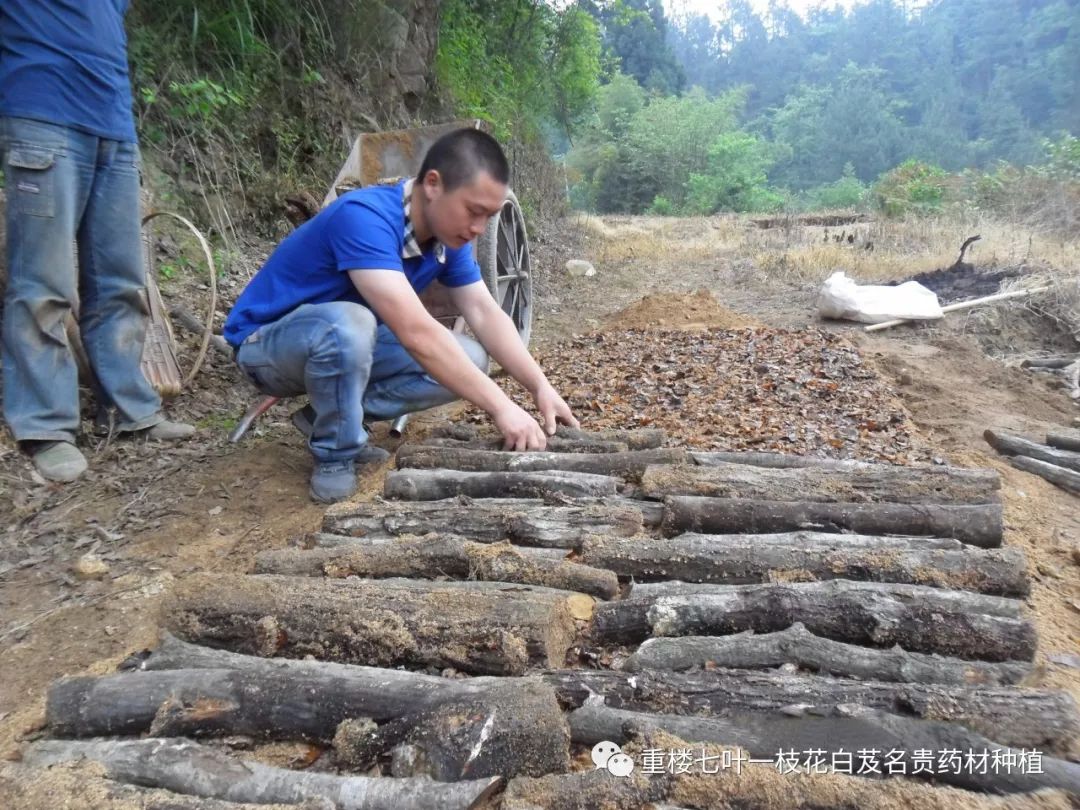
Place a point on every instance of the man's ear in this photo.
(432, 183)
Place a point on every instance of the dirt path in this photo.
(213, 509)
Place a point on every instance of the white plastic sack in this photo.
(840, 297)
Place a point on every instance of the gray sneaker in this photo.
(333, 481)
(167, 431)
(59, 461)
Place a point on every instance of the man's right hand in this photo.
(520, 431)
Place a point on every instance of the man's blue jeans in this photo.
(65, 187)
(349, 366)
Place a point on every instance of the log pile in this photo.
(1058, 461)
(460, 642)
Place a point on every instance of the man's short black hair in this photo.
(460, 155)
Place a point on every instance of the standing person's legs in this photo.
(399, 385)
(325, 351)
(113, 311)
(48, 171)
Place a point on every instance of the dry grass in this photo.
(881, 250)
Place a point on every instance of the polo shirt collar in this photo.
(410, 248)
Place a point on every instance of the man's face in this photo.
(459, 216)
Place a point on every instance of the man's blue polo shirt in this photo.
(65, 62)
(366, 229)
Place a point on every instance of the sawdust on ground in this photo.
(699, 310)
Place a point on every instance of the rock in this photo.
(1076, 554)
(90, 566)
(580, 268)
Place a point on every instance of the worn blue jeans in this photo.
(68, 188)
(350, 367)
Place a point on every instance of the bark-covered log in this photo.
(876, 484)
(1067, 480)
(1064, 440)
(630, 464)
(529, 522)
(82, 787)
(381, 622)
(514, 728)
(808, 556)
(776, 461)
(187, 767)
(918, 618)
(584, 790)
(340, 542)
(1061, 361)
(1028, 718)
(441, 556)
(718, 779)
(645, 439)
(253, 696)
(400, 691)
(799, 647)
(555, 444)
(979, 525)
(1010, 445)
(433, 485)
(766, 736)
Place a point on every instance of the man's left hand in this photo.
(553, 410)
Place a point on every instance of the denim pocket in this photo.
(30, 180)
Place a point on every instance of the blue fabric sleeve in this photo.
(461, 268)
(360, 238)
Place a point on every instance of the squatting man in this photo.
(335, 314)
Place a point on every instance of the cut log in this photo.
(809, 556)
(527, 522)
(880, 483)
(1064, 440)
(256, 697)
(441, 556)
(1067, 480)
(555, 444)
(515, 728)
(976, 525)
(1050, 362)
(918, 618)
(340, 542)
(645, 439)
(381, 622)
(82, 787)
(1010, 445)
(797, 646)
(768, 736)
(187, 767)
(776, 461)
(398, 691)
(584, 791)
(629, 465)
(726, 780)
(433, 485)
(1029, 718)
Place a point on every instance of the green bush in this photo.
(661, 207)
(913, 187)
(847, 192)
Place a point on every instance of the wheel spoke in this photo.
(509, 234)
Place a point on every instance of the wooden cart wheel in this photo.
(503, 254)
